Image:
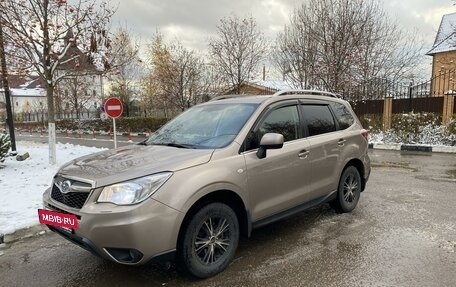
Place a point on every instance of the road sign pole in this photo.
(115, 133)
(114, 108)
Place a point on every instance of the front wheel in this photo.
(209, 241)
(349, 190)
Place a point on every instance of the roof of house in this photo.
(74, 59)
(445, 40)
(30, 93)
(274, 85)
(26, 86)
(264, 87)
(24, 82)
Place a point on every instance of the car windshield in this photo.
(204, 127)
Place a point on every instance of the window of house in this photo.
(319, 119)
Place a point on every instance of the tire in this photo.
(209, 241)
(349, 190)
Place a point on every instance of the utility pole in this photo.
(9, 112)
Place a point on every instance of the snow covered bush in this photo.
(5, 144)
(452, 126)
(372, 122)
(409, 126)
(417, 128)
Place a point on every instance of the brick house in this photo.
(443, 54)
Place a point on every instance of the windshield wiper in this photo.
(176, 145)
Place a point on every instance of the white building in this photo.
(27, 97)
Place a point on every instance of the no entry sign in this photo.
(113, 107)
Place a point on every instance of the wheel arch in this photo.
(358, 164)
(228, 197)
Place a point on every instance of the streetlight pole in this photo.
(9, 113)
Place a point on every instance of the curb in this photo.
(413, 147)
(24, 233)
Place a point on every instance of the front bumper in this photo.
(130, 235)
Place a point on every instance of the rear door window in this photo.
(343, 116)
(319, 119)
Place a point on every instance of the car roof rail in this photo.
(231, 96)
(305, 92)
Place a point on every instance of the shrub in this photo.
(137, 124)
(451, 127)
(372, 122)
(408, 127)
(418, 128)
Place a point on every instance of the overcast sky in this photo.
(195, 21)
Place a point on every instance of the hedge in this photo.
(133, 124)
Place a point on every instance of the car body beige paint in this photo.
(301, 171)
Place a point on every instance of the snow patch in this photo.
(22, 183)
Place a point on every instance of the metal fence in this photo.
(377, 89)
(427, 96)
(42, 116)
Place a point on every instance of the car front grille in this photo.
(54, 208)
(73, 199)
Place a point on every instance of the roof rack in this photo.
(307, 92)
(223, 97)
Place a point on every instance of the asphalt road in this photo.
(403, 233)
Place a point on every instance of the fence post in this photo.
(448, 106)
(387, 113)
(410, 97)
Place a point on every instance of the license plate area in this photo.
(67, 222)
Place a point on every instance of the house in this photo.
(261, 87)
(28, 95)
(79, 94)
(76, 96)
(443, 54)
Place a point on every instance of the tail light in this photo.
(365, 134)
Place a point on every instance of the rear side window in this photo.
(343, 115)
(319, 119)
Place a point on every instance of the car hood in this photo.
(117, 165)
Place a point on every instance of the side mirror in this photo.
(269, 141)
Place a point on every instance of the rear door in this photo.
(279, 181)
(325, 147)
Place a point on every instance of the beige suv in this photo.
(215, 172)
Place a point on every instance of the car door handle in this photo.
(303, 154)
(341, 142)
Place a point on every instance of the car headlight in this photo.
(133, 191)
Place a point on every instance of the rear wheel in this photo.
(209, 240)
(349, 190)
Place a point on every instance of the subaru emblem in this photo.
(65, 187)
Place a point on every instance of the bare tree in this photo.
(125, 67)
(76, 93)
(237, 50)
(175, 74)
(342, 44)
(295, 54)
(36, 33)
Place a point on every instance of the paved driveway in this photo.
(403, 233)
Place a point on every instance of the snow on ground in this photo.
(23, 183)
